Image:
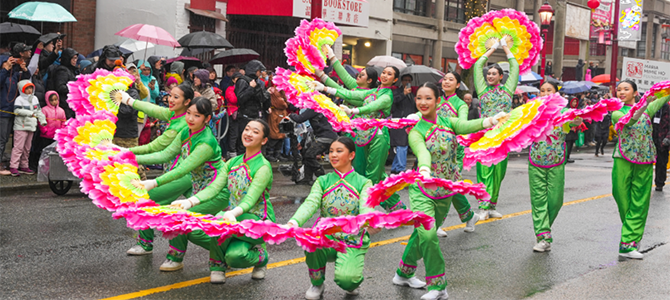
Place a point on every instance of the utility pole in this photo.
(615, 48)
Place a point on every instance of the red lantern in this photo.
(593, 4)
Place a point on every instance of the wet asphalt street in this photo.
(66, 248)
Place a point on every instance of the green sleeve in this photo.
(162, 156)
(616, 115)
(311, 204)
(354, 97)
(262, 179)
(153, 110)
(196, 158)
(217, 186)
(653, 107)
(158, 144)
(349, 81)
(363, 208)
(513, 78)
(418, 145)
(463, 111)
(466, 127)
(480, 82)
(382, 103)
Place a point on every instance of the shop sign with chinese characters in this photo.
(345, 12)
(645, 73)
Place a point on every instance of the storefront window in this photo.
(642, 43)
(454, 11)
(596, 49)
(665, 42)
(412, 7)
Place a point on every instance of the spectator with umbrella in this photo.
(67, 71)
(403, 106)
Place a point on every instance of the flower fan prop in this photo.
(526, 124)
(305, 50)
(594, 112)
(394, 183)
(659, 90)
(479, 35)
(376, 219)
(95, 92)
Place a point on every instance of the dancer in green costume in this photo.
(249, 183)
(374, 143)
(633, 170)
(433, 140)
(546, 177)
(340, 193)
(494, 97)
(179, 100)
(200, 155)
(451, 106)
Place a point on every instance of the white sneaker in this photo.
(435, 295)
(470, 225)
(353, 293)
(483, 214)
(542, 246)
(217, 277)
(170, 266)
(633, 255)
(441, 233)
(138, 250)
(314, 292)
(413, 282)
(494, 214)
(259, 272)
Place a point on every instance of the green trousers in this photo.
(348, 266)
(631, 188)
(370, 162)
(238, 252)
(492, 177)
(424, 243)
(179, 243)
(546, 198)
(459, 201)
(164, 195)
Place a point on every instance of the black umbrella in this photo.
(234, 56)
(204, 39)
(50, 37)
(194, 52)
(9, 27)
(95, 53)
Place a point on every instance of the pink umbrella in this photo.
(149, 34)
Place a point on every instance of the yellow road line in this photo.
(294, 261)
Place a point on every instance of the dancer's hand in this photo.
(321, 74)
(373, 231)
(651, 99)
(415, 117)
(638, 114)
(123, 98)
(329, 51)
(292, 224)
(425, 172)
(183, 204)
(493, 121)
(149, 184)
(317, 86)
(231, 215)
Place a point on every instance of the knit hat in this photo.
(24, 84)
(203, 75)
(170, 81)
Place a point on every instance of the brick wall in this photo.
(81, 34)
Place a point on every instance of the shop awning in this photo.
(345, 12)
(206, 13)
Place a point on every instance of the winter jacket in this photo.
(279, 106)
(319, 123)
(102, 61)
(156, 73)
(8, 89)
(661, 129)
(55, 117)
(176, 69)
(231, 100)
(250, 101)
(206, 91)
(403, 106)
(126, 126)
(46, 59)
(146, 79)
(40, 89)
(26, 108)
(61, 76)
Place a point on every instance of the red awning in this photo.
(261, 7)
(343, 12)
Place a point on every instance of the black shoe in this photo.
(272, 159)
(571, 161)
(304, 182)
(659, 188)
(282, 158)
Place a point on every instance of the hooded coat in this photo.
(205, 89)
(55, 117)
(101, 63)
(26, 108)
(146, 79)
(176, 69)
(8, 86)
(156, 73)
(63, 74)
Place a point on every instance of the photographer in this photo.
(324, 135)
(13, 70)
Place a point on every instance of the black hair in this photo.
(432, 86)
(456, 75)
(632, 83)
(373, 75)
(552, 84)
(347, 142)
(203, 105)
(187, 90)
(497, 67)
(228, 68)
(266, 127)
(395, 71)
(53, 95)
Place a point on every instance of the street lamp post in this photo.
(546, 12)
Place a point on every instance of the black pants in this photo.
(312, 166)
(600, 144)
(569, 145)
(661, 165)
(274, 147)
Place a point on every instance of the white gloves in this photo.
(231, 215)
(503, 42)
(495, 45)
(425, 172)
(415, 117)
(292, 224)
(322, 75)
(149, 184)
(126, 99)
(329, 51)
(349, 111)
(186, 203)
(493, 121)
(636, 116)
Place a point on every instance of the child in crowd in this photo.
(28, 113)
(55, 117)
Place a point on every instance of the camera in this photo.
(286, 126)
